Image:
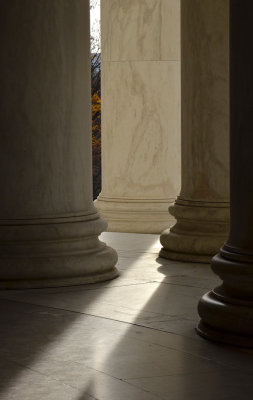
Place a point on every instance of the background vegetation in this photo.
(96, 104)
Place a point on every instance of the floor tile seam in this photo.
(161, 397)
(125, 380)
(182, 285)
(24, 366)
(148, 328)
(145, 390)
(131, 253)
(137, 325)
(200, 357)
(217, 362)
(27, 367)
(65, 384)
(97, 316)
(116, 378)
(146, 312)
(103, 287)
(172, 319)
(166, 375)
(105, 318)
(154, 314)
(112, 287)
(116, 286)
(179, 374)
(71, 311)
(196, 356)
(85, 290)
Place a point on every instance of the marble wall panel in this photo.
(140, 30)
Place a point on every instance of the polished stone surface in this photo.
(132, 338)
(140, 114)
(140, 30)
(227, 311)
(49, 227)
(202, 207)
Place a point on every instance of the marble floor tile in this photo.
(129, 339)
(220, 384)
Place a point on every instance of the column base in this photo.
(135, 216)
(223, 337)
(225, 322)
(185, 257)
(200, 231)
(52, 283)
(226, 312)
(54, 252)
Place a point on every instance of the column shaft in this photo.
(227, 311)
(48, 225)
(140, 113)
(202, 208)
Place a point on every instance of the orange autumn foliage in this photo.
(96, 142)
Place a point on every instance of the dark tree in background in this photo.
(96, 110)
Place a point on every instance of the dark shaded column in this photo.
(48, 225)
(227, 311)
(202, 208)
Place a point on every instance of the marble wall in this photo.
(140, 113)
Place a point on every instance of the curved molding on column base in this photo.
(225, 322)
(54, 252)
(200, 231)
(189, 248)
(185, 257)
(223, 337)
(135, 215)
(52, 283)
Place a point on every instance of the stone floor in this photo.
(129, 339)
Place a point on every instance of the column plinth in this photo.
(200, 229)
(135, 215)
(202, 208)
(227, 311)
(49, 227)
(54, 252)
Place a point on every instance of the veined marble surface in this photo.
(140, 30)
(132, 338)
(48, 224)
(202, 209)
(140, 113)
(205, 100)
(140, 129)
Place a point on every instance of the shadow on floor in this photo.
(36, 337)
(169, 360)
(118, 340)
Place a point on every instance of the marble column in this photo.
(227, 311)
(48, 225)
(202, 208)
(140, 113)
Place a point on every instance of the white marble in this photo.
(140, 30)
(48, 224)
(56, 344)
(139, 137)
(144, 104)
(140, 114)
(202, 207)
